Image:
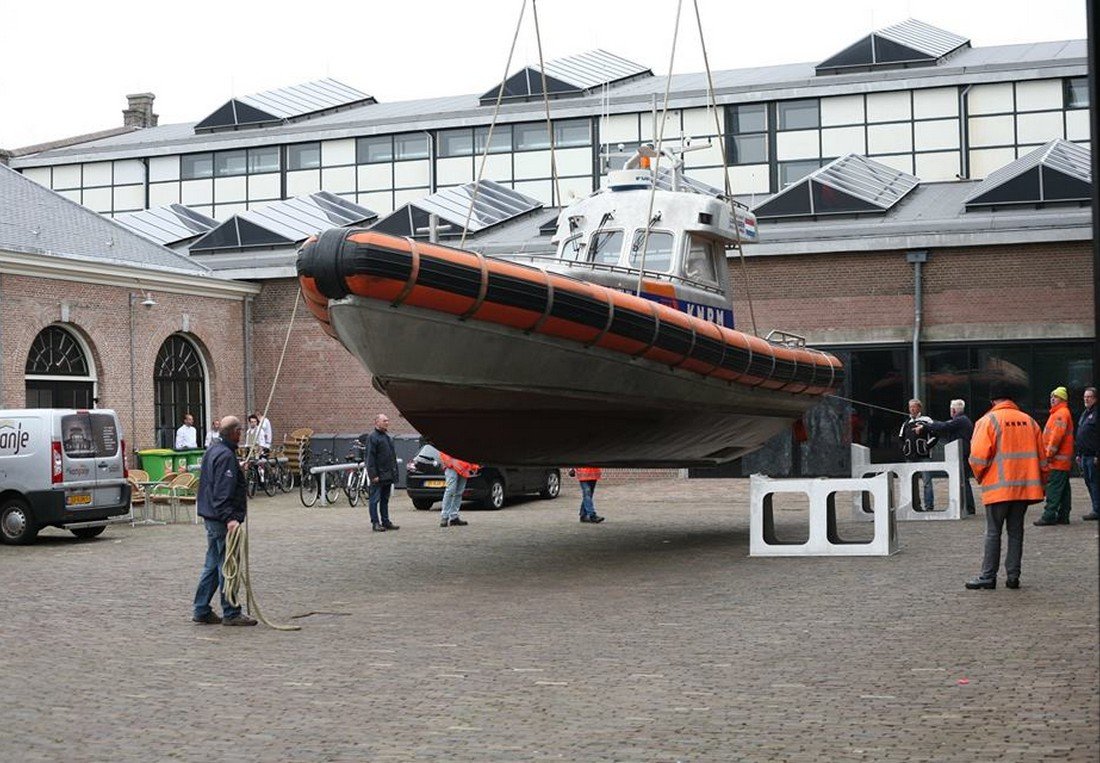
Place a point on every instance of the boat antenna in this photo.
(660, 138)
(725, 165)
(492, 125)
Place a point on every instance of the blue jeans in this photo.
(379, 502)
(588, 508)
(1091, 474)
(452, 494)
(929, 494)
(211, 578)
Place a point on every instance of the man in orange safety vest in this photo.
(588, 476)
(1008, 459)
(455, 472)
(1058, 445)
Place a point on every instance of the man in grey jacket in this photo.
(222, 502)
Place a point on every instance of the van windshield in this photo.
(89, 435)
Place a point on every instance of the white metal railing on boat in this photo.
(594, 266)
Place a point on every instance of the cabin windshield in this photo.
(699, 263)
(606, 247)
(572, 248)
(658, 251)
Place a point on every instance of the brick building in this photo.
(909, 218)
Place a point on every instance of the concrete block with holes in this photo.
(823, 538)
(906, 472)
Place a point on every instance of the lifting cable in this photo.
(660, 139)
(725, 165)
(493, 124)
(546, 104)
(236, 568)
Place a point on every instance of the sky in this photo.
(66, 67)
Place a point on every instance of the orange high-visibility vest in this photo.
(1058, 437)
(464, 468)
(588, 473)
(1007, 455)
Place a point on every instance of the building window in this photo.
(196, 166)
(410, 146)
(303, 156)
(261, 160)
(531, 136)
(1077, 93)
(227, 163)
(57, 372)
(179, 382)
(792, 172)
(748, 142)
(456, 143)
(374, 150)
(798, 115)
(501, 143)
(574, 132)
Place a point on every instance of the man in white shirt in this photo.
(186, 436)
(258, 434)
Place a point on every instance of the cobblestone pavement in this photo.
(530, 636)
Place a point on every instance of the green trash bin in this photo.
(194, 458)
(158, 462)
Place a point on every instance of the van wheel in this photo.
(423, 504)
(88, 532)
(16, 525)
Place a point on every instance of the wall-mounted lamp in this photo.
(148, 301)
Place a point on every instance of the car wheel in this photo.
(422, 504)
(553, 484)
(17, 528)
(88, 532)
(495, 499)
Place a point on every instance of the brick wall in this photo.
(100, 315)
(1005, 292)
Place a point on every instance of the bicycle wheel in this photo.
(286, 478)
(352, 488)
(270, 479)
(309, 489)
(251, 478)
(333, 486)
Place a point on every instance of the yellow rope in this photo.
(235, 570)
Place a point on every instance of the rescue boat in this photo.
(619, 350)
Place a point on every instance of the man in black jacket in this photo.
(222, 503)
(1088, 448)
(959, 427)
(918, 447)
(382, 472)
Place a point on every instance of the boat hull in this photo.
(496, 394)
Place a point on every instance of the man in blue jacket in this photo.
(381, 459)
(222, 503)
(958, 427)
(1088, 448)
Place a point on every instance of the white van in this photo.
(60, 467)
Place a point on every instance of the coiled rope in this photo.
(236, 570)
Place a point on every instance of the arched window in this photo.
(58, 374)
(179, 387)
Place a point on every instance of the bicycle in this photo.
(357, 477)
(309, 484)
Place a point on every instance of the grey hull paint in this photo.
(489, 393)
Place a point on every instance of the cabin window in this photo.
(699, 264)
(572, 248)
(658, 251)
(606, 247)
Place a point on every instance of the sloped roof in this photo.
(571, 75)
(848, 185)
(283, 223)
(910, 43)
(283, 105)
(35, 220)
(1059, 171)
(494, 204)
(169, 224)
